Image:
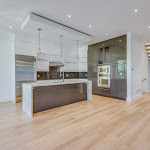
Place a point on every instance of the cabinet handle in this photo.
(106, 89)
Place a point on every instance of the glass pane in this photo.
(104, 81)
(106, 55)
(122, 69)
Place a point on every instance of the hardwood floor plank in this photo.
(104, 123)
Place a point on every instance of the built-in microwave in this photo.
(103, 70)
(104, 81)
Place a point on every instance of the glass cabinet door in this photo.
(100, 55)
(113, 54)
(106, 55)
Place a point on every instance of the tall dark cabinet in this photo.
(111, 52)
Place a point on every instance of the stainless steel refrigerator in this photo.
(25, 72)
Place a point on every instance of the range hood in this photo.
(56, 64)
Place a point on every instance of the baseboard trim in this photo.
(134, 98)
(5, 99)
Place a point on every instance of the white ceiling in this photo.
(51, 33)
(116, 17)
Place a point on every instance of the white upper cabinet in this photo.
(42, 65)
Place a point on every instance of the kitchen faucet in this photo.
(63, 76)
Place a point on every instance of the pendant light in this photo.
(39, 50)
(61, 41)
(62, 74)
(77, 49)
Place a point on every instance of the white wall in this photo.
(134, 71)
(6, 67)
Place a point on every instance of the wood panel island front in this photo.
(44, 95)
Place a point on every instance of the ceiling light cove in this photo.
(54, 26)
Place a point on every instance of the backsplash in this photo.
(68, 75)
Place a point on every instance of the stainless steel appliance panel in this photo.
(103, 70)
(25, 67)
(103, 76)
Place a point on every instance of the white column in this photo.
(128, 99)
(13, 71)
(134, 71)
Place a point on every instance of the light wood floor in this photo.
(103, 124)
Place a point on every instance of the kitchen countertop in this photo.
(56, 82)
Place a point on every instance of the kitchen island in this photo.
(48, 94)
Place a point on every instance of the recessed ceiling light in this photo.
(41, 34)
(135, 10)
(90, 26)
(107, 34)
(10, 27)
(69, 16)
(119, 40)
(149, 26)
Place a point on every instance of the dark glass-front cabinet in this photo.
(106, 56)
(100, 55)
(111, 52)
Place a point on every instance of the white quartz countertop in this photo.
(56, 82)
